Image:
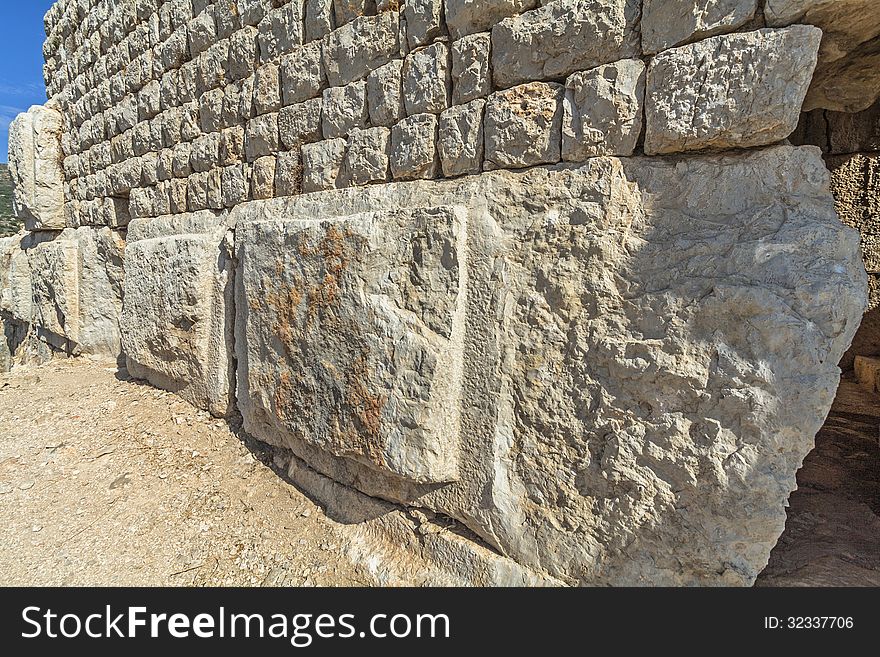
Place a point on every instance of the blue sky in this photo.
(21, 61)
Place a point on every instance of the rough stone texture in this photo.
(35, 166)
(385, 94)
(367, 157)
(668, 23)
(468, 16)
(414, 148)
(367, 364)
(562, 37)
(471, 75)
(729, 91)
(847, 78)
(355, 50)
(855, 183)
(427, 85)
(603, 111)
(344, 109)
(713, 294)
(177, 314)
(424, 21)
(523, 126)
(321, 164)
(460, 139)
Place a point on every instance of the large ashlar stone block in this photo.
(35, 164)
(731, 91)
(349, 337)
(523, 126)
(465, 17)
(563, 37)
(356, 49)
(847, 78)
(668, 23)
(649, 349)
(177, 316)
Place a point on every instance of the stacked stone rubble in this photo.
(544, 268)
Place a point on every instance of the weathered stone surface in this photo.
(523, 126)
(321, 164)
(424, 21)
(302, 74)
(668, 23)
(460, 139)
(468, 16)
(355, 50)
(366, 157)
(344, 109)
(667, 454)
(54, 278)
(414, 148)
(471, 75)
(847, 78)
(385, 94)
(603, 111)
(101, 256)
(562, 37)
(320, 19)
(354, 344)
(35, 164)
(427, 85)
(732, 91)
(300, 124)
(177, 314)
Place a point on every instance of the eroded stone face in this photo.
(730, 91)
(35, 163)
(650, 348)
(668, 23)
(349, 337)
(177, 314)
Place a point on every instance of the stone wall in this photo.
(544, 272)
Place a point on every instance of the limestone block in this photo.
(620, 390)
(668, 23)
(603, 111)
(302, 74)
(267, 89)
(54, 276)
(232, 145)
(356, 346)
(523, 126)
(867, 372)
(235, 184)
(344, 109)
(101, 254)
(322, 162)
(288, 173)
(253, 11)
(471, 74)
(301, 123)
(563, 37)
(261, 138)
(468, 16)
(242, 58)
(320, 19)
(366, 157)
(177, 313)
(460, 139)
(281, 30)
(356, 49)
(732, 91)
(424, 21)
(263, 177)
(35, 165)
(205, 152)
(414, 148)
(385, 94)
(347, 10)
(202, 32)
(427, 82)
(847, 78)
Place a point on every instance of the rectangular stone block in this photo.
(366, 157)
(414, 148)
(523, 126)
(427, 81)
(731, 91)
(356, 49)
(302, 74)
(353, 343)
(344, 109)
(301, 123)
(471, 74)
(468, 16)
(322, 163)
(563, 37)
(177, 316)
(385, 94)
(460, 142)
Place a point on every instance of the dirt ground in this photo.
(107, 481)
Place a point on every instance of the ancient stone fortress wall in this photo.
(537, 290)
